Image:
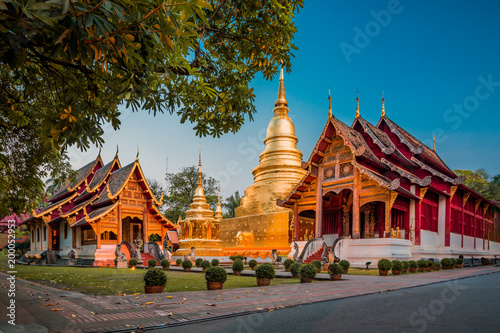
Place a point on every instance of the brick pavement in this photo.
(77, 312)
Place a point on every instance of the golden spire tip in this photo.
(330, 113)
(383, 105)
(434, 143)
(357, 104)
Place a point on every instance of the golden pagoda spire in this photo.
(199, 168)
(218, 210)
(434, 143)
(383, 106)
(330, 113)
(281, 104)
(357, 104)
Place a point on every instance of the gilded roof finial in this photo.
(116, 151)
(281, 100)
(383, 106)
(330, 113)
(99, 151)
(199, 168)
(137, 156)
(434, 143)
(357, 104)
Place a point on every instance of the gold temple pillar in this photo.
(355, 205)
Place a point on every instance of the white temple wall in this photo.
(65, 244)
(455, 240)
(441, 221)
(469, 242)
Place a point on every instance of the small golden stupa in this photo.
(200, 229)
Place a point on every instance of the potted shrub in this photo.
(152, 263)
(412, 266)
(237, 266)
(165, 263)
(252, 263)
(317, 264)
(198, 262)
(453, 262)
(187, 264)
(287, 263)
(295, 269)
(405, 266)
(178, 262)
(215, 262)
(445, 263)
(215, 277)
(384, 265)
(422, 264)
(436, 266)
(345, 264)
(264, 274)
(132, 263)
(205, 264)
(307, 273)
(335, 270)
(154, 281)
(429, 265)
(460, 262)
(233, 258)
(397, 267)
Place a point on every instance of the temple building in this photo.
(380, 189)
(200, 228)
(86, 219)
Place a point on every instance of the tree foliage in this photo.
(181, 188)
(66, 67)
(479, 181)
(231, 204)
(157, 189)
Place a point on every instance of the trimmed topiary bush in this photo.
(295, 268)
(317, 264)
(178, 262)
(436, 265)
(216, 274)
(187, 264)
(237, 265)
(335, 269)
(308, 270)
(233, 258)
(252, 263)
(132, 262)
(205, 264)
(215, 262)
(155, 277)
(445, 262)
(422, 263)
(288, 262)
(265, 271)
(151, 263)
(384, 264)
(165, 263)
(460, 261)
(198, 262)
(397, 265)
(345, 264)
(412, 264)
(404, 264)
(453, 261)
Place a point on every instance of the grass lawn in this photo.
(110, 281)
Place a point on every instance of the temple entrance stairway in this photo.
(315, 256)
(145, 257)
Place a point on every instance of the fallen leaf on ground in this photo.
(184, 299)
(147, 303)
(237, 297)
(74, 316)
(56, 309)
(169, 314)
(49, 304)
(170, 296)
(137, 297)
(248, 291)
(136, 293)
(260, 308)
(209, 304)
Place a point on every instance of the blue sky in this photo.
(438, 63)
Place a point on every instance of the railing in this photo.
(334, 245)
(311, 247)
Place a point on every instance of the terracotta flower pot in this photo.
(166, 268)
(214, 285)
(382, 273)
(421, 269)
(428, 269)
(304, 279)
(437, 268)
(395, 272)
(153, 289)
(262, 282)
(458, 265)
(237, 273)
(405, 270)
(412, 270)
(187, 269)
(336, 277)
(296, 275)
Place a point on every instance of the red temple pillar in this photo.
(447, 222)
(417, 217)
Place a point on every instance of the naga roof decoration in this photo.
(455, 181)
(377, 135)
(403, 173)
(381, 180)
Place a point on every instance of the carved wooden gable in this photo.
(133, 193)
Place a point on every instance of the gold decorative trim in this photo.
(452, 191)
(465, 198)
(423, 191)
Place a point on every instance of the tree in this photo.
(476, 180)
(181, 188)
(66, 66)
(231, 204)
(156, 188)
(494, 189)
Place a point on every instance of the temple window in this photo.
(108, 235)
(88, 236)
(44, 234)
(65, 230)
(38, 234)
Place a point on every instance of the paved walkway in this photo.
(40, 307)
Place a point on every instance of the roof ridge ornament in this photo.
(116, 155)
(383, 105)
(137, 156)
(330, 113)
(281, 104)
(434, 143)
(357, 104)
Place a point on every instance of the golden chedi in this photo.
(259, 224)
(200, 229)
